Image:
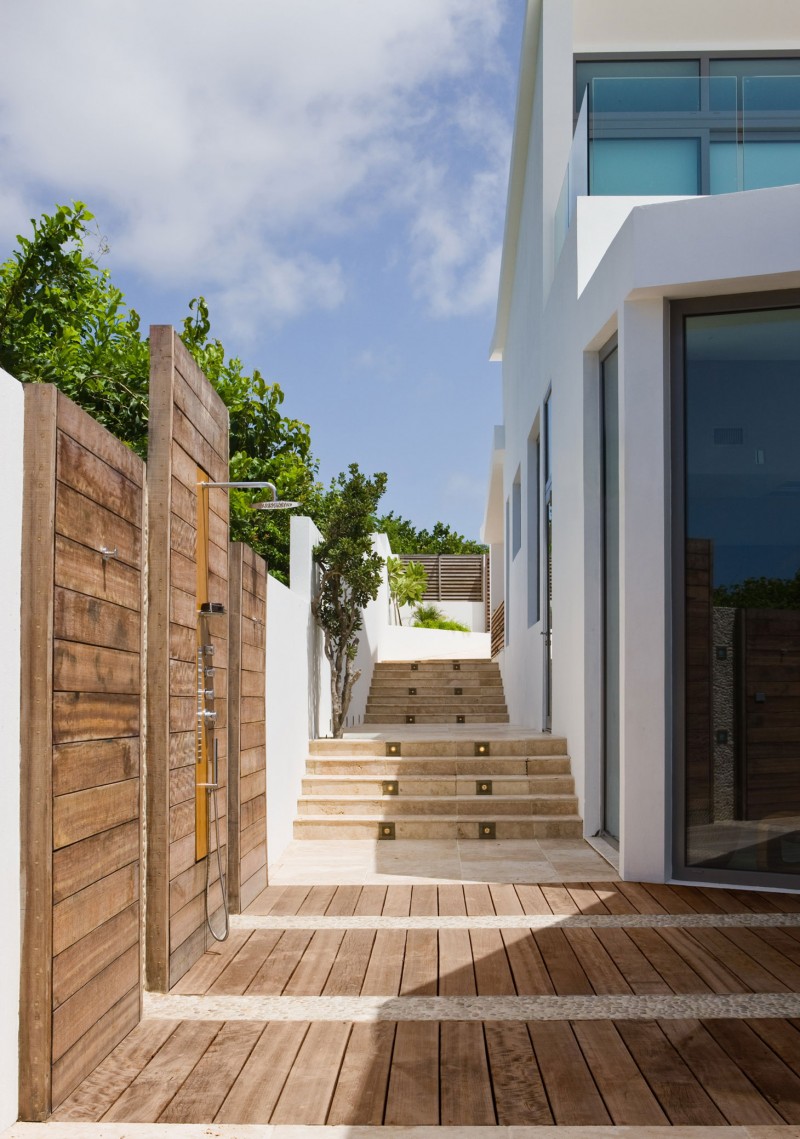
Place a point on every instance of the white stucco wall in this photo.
(622, 262)
(406, 643)
(378, 617)
(12, 429)
(469, 613)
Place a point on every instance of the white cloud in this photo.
(230, 141)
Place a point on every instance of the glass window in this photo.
(534, 523)
(589, 69)
(516, 513)
(645, 166)
(742, 69)
(742, 591)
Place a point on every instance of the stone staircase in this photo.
(436, 692)
(459, 788)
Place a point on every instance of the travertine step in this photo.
(433, 704)
(446, 683)
(428, 785)
(438, 767)
(437, 827)
(390, 806)
(437, 718)
(463, 747)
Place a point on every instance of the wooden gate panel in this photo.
(82, 578)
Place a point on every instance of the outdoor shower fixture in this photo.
(206, 744)
(273, 503)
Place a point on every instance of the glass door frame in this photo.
(676, 668)
(609, 349)
(547, 550)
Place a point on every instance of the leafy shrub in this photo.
(431, 617)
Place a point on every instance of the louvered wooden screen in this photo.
(498, 629)
(454, 577)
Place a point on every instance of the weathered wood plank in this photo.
(255, 1092)
(91, 621)
(83, 570)
(148, 1095)
(574, 1099)
(90, 716)
(492, 972)
(421, 965)
(202, 1094)
(91, 1049)
(627, 1097)
(90, 763)
(307, 1094)
(683, 1099)
(38, 519)
(81, 1012)
(78, 914)
(466, 1090)
(84, 521)
(114, 1074)
(276, 971)
(90, 860)
(84, 813)
(83, 470)
(385, 967)
(519, 1094)
(361, 1088)
(93, 953)
(413, 1096)
(80, 426)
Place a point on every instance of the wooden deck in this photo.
(610, 942)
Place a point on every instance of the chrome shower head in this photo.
(269, 504)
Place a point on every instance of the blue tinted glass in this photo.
(725, 160)
(771, 93)
(645, 95)
(742, 607)
(645, 166)
(771, 164)
(589, 69)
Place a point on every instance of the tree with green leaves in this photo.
(405, 538)
(350, 577)
(407, 583)
(62, 321)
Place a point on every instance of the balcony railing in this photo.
(672, 137)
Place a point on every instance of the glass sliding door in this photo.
(741, 592)
(611, 593)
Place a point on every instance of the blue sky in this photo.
(330, 174)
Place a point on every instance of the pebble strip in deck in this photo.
(519, 921)
(707, 1006)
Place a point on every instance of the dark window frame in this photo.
(675, 670)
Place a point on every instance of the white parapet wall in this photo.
(12, 419)
(297, 686)
(400, 642)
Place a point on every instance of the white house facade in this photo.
(644, 497)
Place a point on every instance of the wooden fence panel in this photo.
(81, 660)
(188, 431)
(247, 849)
(453, 577)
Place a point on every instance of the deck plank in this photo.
(505, 900)
(562, 965)
(493, 976)
(600, 969)
(313, 969)
(344, 901)
(274, 974)
(466, 1090)
(478, 900)
(421, 965)
(316, 901)
(238, 974)
(424, 901)
(527, 966)
(741, 964)
(371, 901)
(520, 1098)
(254, 1094)
(413, 1096)
(451, 900)
(643, 979)
(586, 899)
(532, 900)
(456, 968)
(385, 968)
(360, 1095)
(398, 901)
(307, 1094)
(204, 972)
(725, 1082)
(202, 1095)
(573, 1095)
(677, 973)
(776, 1082)
(155, 1085)
(679, 1093)
(626, 1094)
(350, 966)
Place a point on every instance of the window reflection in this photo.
(742, 374)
